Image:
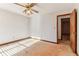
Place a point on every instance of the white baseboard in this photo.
(35, 37)
(12, 40)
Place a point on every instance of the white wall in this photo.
(43, 26)
(35, 25)
(13, 26)
(48, 27)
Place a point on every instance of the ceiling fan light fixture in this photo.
(28, 8)
(28, 12)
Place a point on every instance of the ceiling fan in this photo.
(28, 8)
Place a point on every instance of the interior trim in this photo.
(57, 22)
(15, 41)
(49, 41)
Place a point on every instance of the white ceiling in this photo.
(41, 7)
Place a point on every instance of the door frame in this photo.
(75, 26)
(57, 22)
(61, 28)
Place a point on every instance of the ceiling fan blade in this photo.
(31, 12)
(19, 4)
(32, 4)
(25, 11)
(35, 11)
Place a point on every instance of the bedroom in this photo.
(36, 29)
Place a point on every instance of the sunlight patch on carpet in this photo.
(17, 47)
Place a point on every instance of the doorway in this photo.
(67, 29)
(64, 29)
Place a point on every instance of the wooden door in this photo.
(73, 31)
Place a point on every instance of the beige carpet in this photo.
(33, 47)
(47, 49)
